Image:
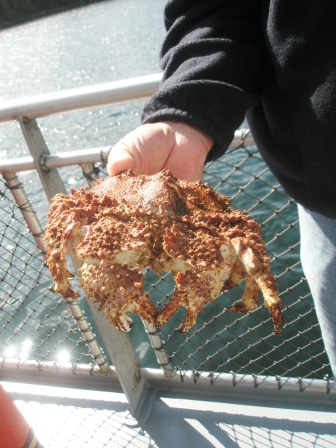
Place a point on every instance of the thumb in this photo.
(120, 159)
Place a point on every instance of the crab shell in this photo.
(130, 222)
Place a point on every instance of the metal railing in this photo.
(36, 325)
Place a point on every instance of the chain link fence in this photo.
(35, 323)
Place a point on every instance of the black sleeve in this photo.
(211, 59)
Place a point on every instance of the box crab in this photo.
(129, 222)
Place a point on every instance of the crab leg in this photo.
(118, 290)
(237, 275)
(194, 291)
(258, 268)
(62, 231)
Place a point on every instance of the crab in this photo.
(129, 222)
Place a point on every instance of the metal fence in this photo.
(38, 328)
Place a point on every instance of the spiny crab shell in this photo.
(129, 222)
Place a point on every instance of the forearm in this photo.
(212, 60)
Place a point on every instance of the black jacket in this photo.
(271, 60)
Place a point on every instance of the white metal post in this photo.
(118, 344)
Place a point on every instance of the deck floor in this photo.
(63, 417)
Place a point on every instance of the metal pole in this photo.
(90, 173)
(90, 97)
(159, 349)
(50, 178)
(14, 184)
(118, 345)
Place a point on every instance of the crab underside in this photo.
(127, 223)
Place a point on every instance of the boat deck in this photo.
(67, 417)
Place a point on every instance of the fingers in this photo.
(138, 151)
(173, 146)
(144, 151)
(120, 159)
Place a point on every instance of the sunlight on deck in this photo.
(81, 418)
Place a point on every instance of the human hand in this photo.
(169, 145)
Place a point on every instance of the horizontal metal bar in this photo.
(58, 374)
(92, 155)
(238, 380)
(26, 365)
(17, 165)
(60, 160)
(268, 387)
(79, 157)
(90, 97)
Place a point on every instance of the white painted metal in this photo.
(215, 385)
(21, 199)
(118, 344)
(90, 97)
(50, 178)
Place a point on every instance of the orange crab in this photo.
(129, 222)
